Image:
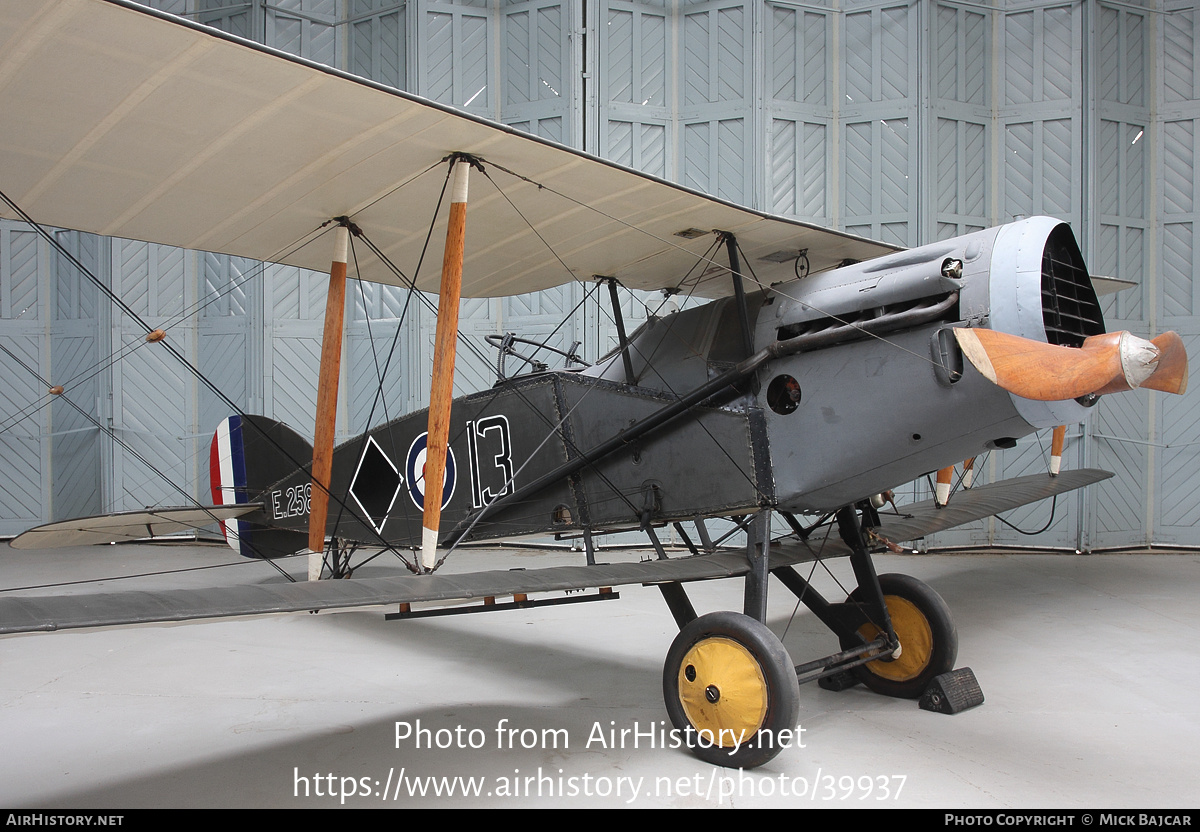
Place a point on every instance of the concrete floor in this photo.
(1089, 703)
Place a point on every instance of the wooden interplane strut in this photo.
(441, 390)
(327, 392)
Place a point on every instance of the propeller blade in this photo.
(1044, 372)
(1172, 373)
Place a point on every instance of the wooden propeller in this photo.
(1172, 373)
(1108, 363)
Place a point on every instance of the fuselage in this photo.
(862, 388)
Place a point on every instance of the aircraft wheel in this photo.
(928, 639)
(730, 688)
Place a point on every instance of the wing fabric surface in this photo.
(26, 614)
(44, 614)
(926, 518)
(126, 122)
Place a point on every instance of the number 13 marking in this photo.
(477, 433)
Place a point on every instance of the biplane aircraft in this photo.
(823, 370)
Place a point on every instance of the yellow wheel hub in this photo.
(723, 691)
(916, 641)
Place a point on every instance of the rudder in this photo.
(248, 454)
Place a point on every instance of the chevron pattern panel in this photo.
(961, 53)
(799, 168)
(455, 54)
(366, 360)
(1122, 56)
(155, 396)
(1176, 465)
(304, 27)
(635, 46)
(242, 19)
(1039, 44)
(715, 52)
(1041, 169)
(635, 83)
(375, 347)
(962, 177)
(153, 392)
(715, 158)
(79, 365)
(377, 41)
(638, 145)
(799, 125)
(1121, 430)
(876, 59)
(294, 319)
(1180, 83)
(878, 171)
(536, 60)
(535, 68)
(797, 55)
(25, 416)
(23, 423)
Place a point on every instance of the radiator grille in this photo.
(1070, 311)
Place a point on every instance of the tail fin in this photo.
(247, 456)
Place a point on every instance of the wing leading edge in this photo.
(132, 123)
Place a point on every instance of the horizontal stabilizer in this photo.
(126, 525)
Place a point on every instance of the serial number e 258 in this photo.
(291, 502)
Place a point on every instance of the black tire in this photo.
(928, 639)
(730, 689)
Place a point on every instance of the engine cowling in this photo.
(881, 392)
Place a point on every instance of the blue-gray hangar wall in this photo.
(908, 122)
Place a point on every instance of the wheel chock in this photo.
(952, 692)
(837, 682)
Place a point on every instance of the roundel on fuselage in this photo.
(414, 472)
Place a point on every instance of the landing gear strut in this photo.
(928, 639)
(730, 685)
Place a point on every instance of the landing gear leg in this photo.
(910, 612)
(758, 545)
(928, 639)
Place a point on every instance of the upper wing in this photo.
(130, 123)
